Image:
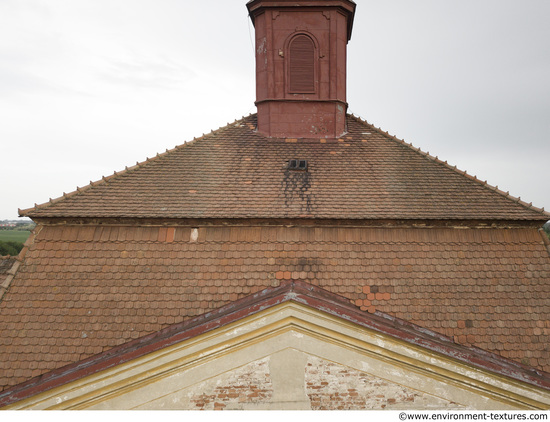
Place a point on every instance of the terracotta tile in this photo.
(98, 288)
(115, 199)
(170, 234)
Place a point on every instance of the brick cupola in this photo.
(301, 66)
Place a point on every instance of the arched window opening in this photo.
(302, 65)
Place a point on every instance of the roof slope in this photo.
(237, 173)
(8, 267)
(6, 262)
(289, 291)
(85, 289)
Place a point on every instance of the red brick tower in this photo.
(301, 66)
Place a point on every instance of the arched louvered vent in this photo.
(302, 65)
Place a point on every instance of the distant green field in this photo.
(14, 236)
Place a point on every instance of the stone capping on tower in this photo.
(345, 6)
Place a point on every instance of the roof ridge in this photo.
(545, 239)
(436, 159)
(18, 260)
(138, 165)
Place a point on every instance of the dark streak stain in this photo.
(296, 187)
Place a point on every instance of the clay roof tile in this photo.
(159, 187)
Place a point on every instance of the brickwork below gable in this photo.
(328, 386)
(251, 384)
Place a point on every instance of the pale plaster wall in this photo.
(290, 379)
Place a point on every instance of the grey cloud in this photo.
(15, 82)
(148, 73)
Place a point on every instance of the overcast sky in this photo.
(90, 86)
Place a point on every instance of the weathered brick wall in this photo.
(249, 384)
(330, 386)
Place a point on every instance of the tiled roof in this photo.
(295, 291)
(235, 172)
(82, 290)
(85, 289)
(8, 267)
(6, 263)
